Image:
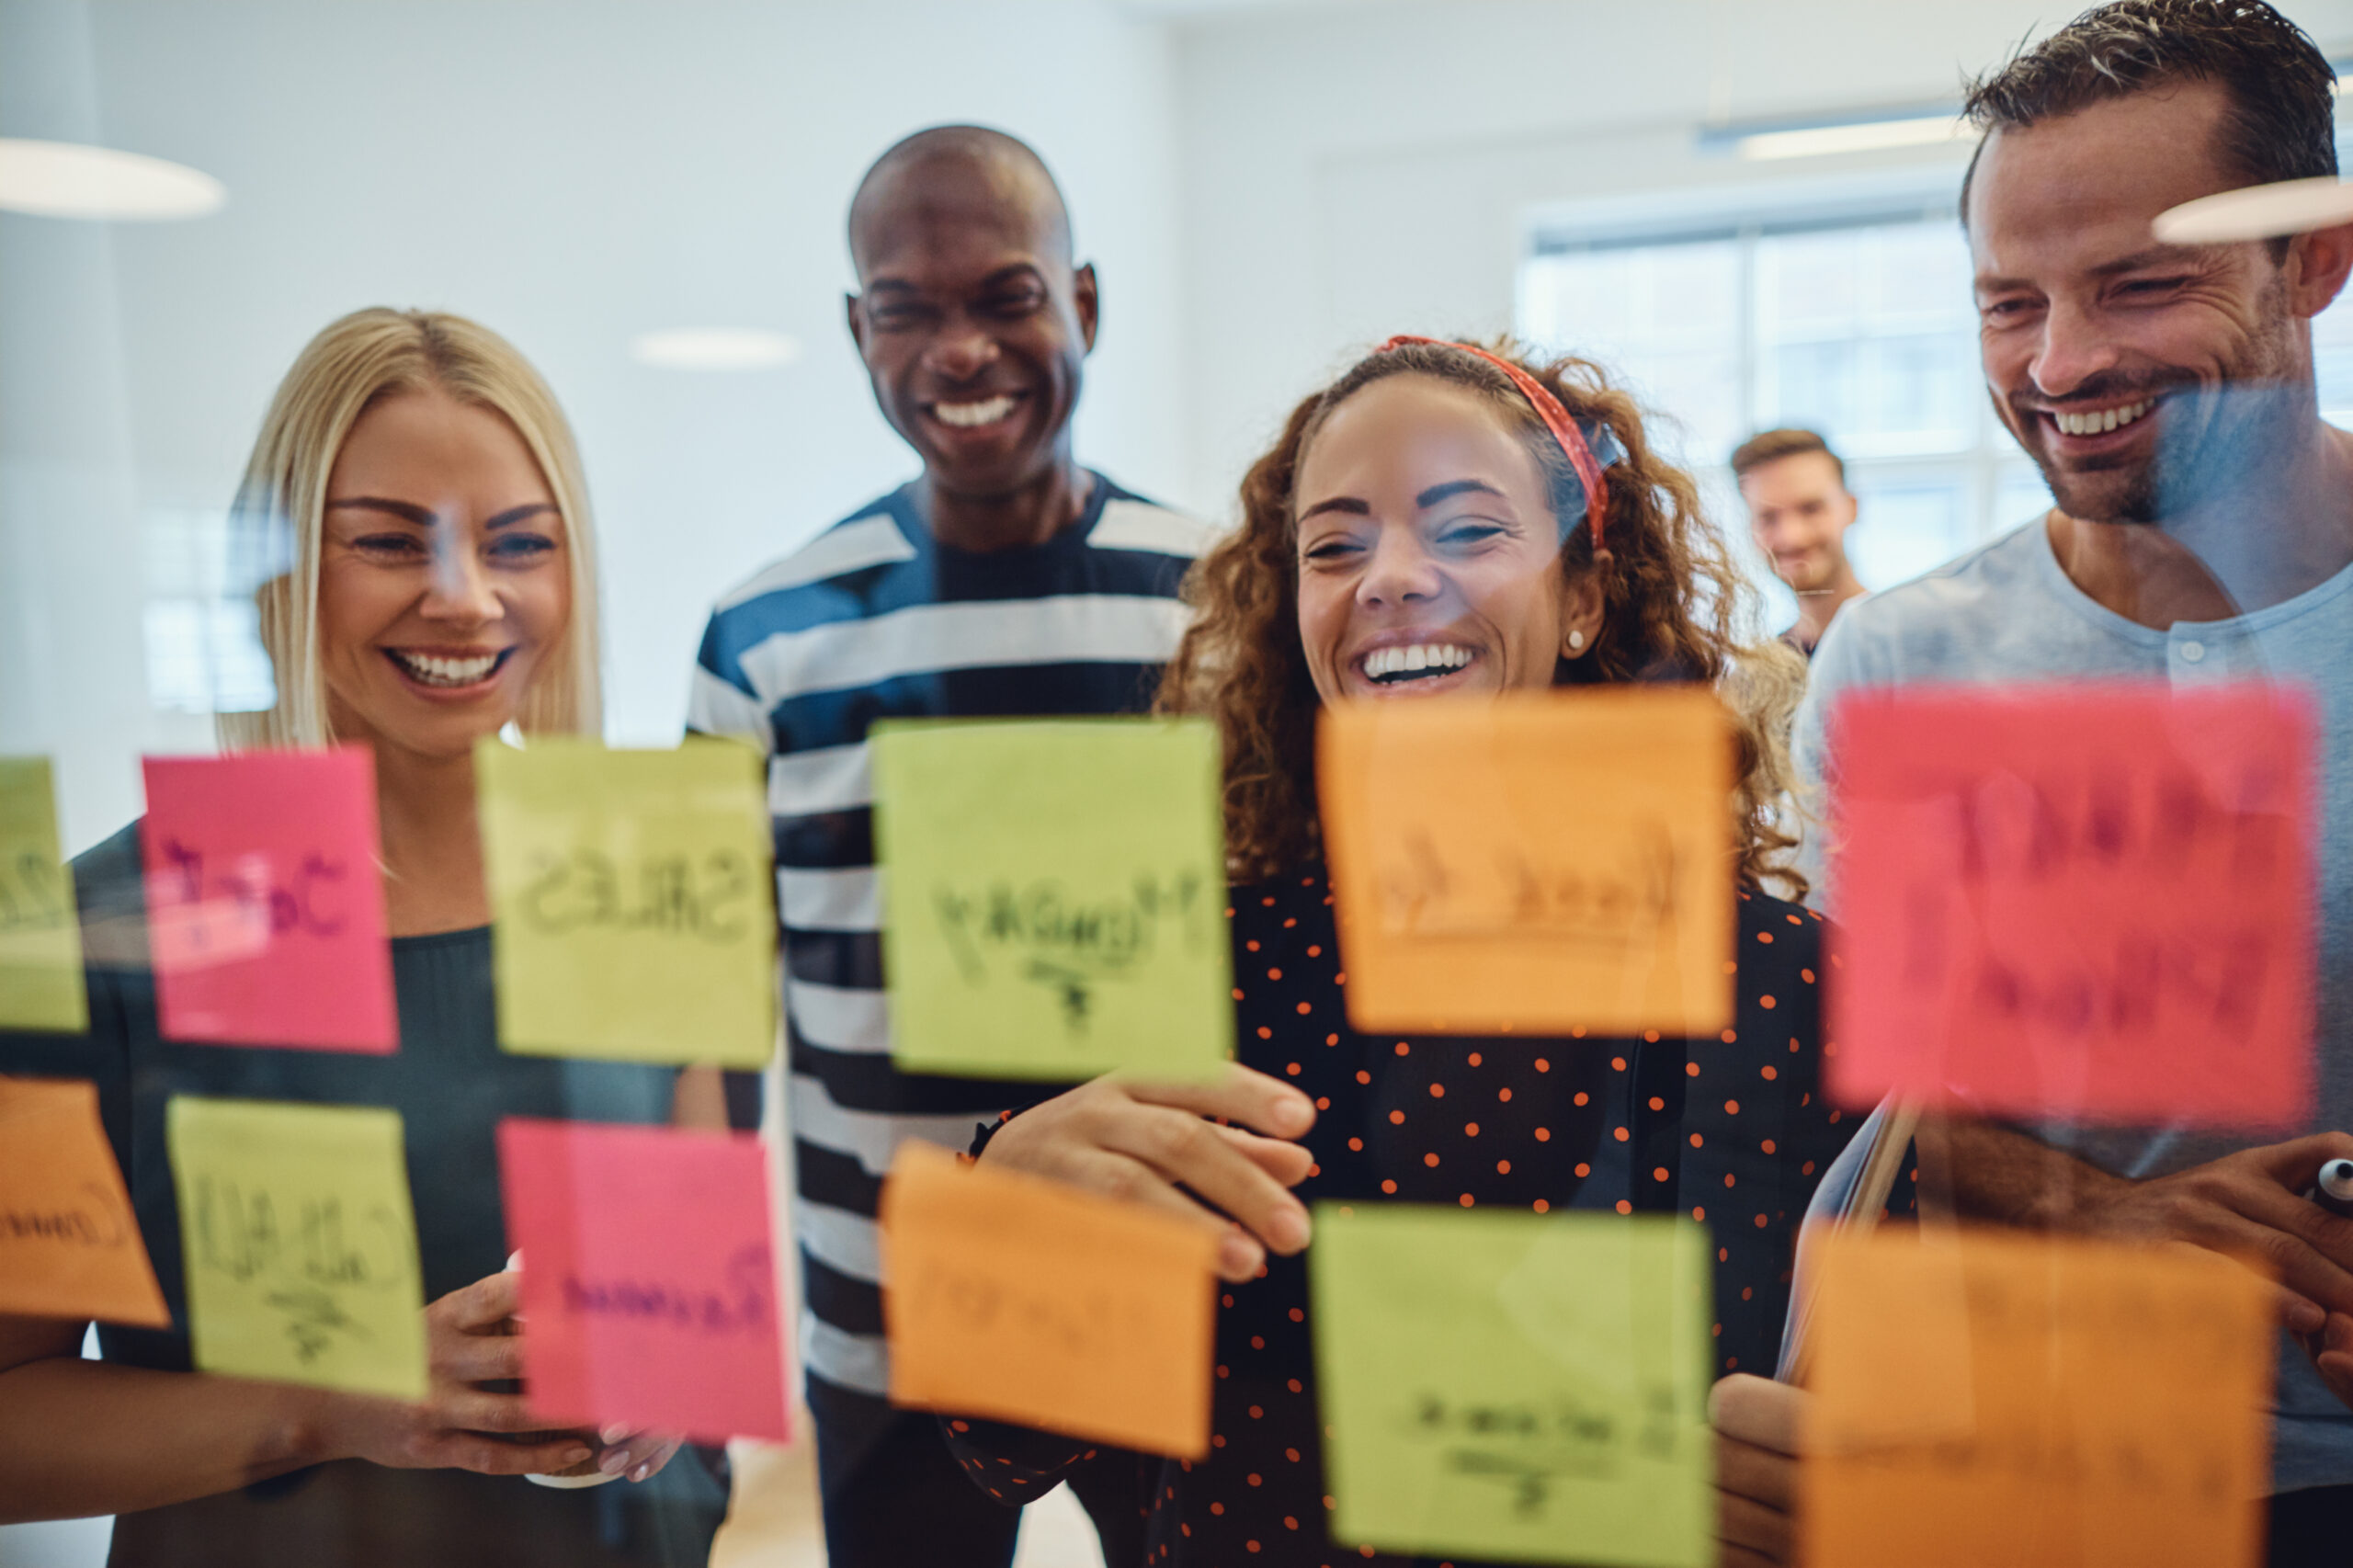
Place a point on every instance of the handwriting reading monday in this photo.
(1071, 946)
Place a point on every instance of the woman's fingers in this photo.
(477, 1357)
(1239, 1094)
(1184, 1148)
(474, 1410)
(642, 1456)
(467, 1451)
(1756, 1411)
(1287, 1163)
(1117, 1176)
(484, 1303)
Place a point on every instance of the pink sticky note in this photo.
(2092, 902)
(649, 1277)
(265, 907)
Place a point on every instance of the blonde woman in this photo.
(425, 488)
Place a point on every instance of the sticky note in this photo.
(634, 916)
(1023, 1300)
(2034, 1401)
(300, 1244)
(1538, 863)
(69, 1240)
(2093, 902)
(1515, 1385)
(650, 1287)
(41, 935)
(1054, 897)
(265, 907)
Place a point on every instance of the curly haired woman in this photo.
(1426, 528)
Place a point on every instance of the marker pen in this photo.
(2332, 1189)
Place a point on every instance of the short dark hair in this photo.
(1772, 445)
(983, 146)
(2281, 121)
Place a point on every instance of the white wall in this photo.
(1353, 172)
(571, 174)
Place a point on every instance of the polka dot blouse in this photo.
(1732, 1131)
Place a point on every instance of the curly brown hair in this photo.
(1670, 598)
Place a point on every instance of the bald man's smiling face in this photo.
(973, 323)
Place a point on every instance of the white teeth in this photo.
(1402, 660)
(428, 670)
(2104, 420)
(966, 416)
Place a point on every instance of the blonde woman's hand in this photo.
(471, 1340)
(1134, 1139)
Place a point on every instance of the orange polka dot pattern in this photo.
(1720, 1126)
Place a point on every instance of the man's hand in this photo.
(1756, 1470)
(2249, 1205)
(468, 1343)
(1128, 1138)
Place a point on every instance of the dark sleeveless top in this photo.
(452, 1084)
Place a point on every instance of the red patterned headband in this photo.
(1556, 419)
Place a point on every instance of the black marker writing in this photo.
(95, 1221)
(1439, 884)
(1071, 946)
(303, 1249)
(705, 897)
(32, 893)
(1532, 1445)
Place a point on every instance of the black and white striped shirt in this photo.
(874, 619)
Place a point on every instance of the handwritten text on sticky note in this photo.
(2034, 1401)
(1515, 1385)
(300, 1244)
(265, 907)
(635, 913)
(1055, 897)
(1550, 862)
(1022, 1300)
(41, 936)
(69, 1241)
(649, 1277)
(2090, 901)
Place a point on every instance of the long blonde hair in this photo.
(1672, 602)
(365, 357)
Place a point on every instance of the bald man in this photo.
(1005, 579)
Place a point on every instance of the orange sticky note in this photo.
(1995, 1397)
(69, 1240)
(1026, 1301)
(1537, 863)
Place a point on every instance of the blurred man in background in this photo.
(1005, 579)
(1799, 512)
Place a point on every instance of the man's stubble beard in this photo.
(2209, 438)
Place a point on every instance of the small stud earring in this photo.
(1577, 641)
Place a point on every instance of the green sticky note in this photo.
(634, 912)
(1053, 897)
(299, 1244)
(41, 935)
(1516, 1386)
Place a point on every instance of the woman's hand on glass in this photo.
(472, 1339)
(1134, 1139)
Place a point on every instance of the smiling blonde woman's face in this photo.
(443, 581)
(1429, 558)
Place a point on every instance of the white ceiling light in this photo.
(67, 179)
(1867, 136)
(714, 349)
